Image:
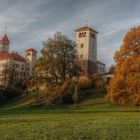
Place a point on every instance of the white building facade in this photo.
(15, 63)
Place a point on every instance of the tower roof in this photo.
(85, 28)
(5, 40)
(31, 50)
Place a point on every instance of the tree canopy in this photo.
(58, 58)
(111, 69)
(125, 86)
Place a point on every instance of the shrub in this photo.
(8, 93)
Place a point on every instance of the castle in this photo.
(22, 66)
(86, 45)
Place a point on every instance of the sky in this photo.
(31, 22)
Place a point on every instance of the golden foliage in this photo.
(85, 82)
(125, 86)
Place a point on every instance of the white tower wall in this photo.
(86, 41)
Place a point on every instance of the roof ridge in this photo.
(12, 55)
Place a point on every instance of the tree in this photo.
(111, 69)
(10, 88)
(125, 86)
(58, 59)
(8, 75)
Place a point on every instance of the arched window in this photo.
(80, 34)
(84, 34)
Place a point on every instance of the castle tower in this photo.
(4, 44)
(86, 45)
(31, 57)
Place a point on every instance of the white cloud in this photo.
(120, 26)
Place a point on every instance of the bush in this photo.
(71, 91)
(86, 83)
(8, 93)
(99, 84)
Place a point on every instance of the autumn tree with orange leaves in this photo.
(125, 86)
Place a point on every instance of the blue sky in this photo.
(30, 22)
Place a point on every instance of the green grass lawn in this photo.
(69, 125)
(94, 119)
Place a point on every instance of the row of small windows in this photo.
(17, 66)
(16, 73)
(19, 73)
(13, 65)
(2, 80)
(83, 34)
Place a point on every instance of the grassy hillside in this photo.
(22, 101)
(90, 102)
(94, 118)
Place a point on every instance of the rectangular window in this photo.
(82, 45)
(80, 34)
(92, 35)
(81, 56)
(28, 54)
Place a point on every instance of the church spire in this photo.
(4, 44)
(5, 40)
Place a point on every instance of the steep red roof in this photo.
(5, 40)
(12, 55)
(31, 49)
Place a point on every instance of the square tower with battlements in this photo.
(86, 45)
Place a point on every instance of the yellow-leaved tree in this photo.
(125, 85)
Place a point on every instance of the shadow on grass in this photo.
(32, 111)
